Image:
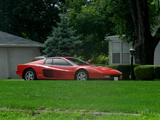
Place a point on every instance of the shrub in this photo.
(101, 59)
(145, 72)
(157, 72)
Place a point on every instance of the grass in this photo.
(108, 96)
(28, 115)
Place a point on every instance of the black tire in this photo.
(81, 75)
(29, 74)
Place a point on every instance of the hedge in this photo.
(144, 72)
(147, 72)
(157, 72)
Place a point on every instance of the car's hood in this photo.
(104, 70)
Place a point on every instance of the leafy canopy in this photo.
(90, 19)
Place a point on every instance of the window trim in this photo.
(69, 64)
(46, 60)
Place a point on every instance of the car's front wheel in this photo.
(29, 75)
(81, 75)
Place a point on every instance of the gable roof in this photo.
(9, 40)
(113, 37)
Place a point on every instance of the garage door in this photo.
(20, 56)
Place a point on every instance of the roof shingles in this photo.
(9, 40)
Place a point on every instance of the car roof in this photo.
(60, 57)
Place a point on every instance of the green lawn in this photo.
(28, 115)
(106, 96)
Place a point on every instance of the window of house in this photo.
(115, 58)
(116, 52)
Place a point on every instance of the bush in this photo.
(100, 60)
(144, 72)
(157, 72)
(147, 72)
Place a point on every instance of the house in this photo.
(15, 50)
(119, 51)
(157, 55)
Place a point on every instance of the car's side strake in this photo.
(48, 73)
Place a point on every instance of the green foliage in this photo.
(153, 14)
(32, 19)
(157, 72)
(90, 19)
(63, 41)
(100, 60)
(145, 72)
(120, 16)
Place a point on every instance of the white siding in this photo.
(157, 55)
(125, 53)
(11, 57)
(20, 56)
(118, 51)
(3, 63)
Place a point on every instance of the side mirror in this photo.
(89, 61)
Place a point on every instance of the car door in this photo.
(63, 69)
(48, 70)
(58, 68)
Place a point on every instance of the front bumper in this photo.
(112, 77)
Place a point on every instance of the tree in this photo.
(63, 41)
(90, 19)
(145, 43)
(136, 19)
(32, 19)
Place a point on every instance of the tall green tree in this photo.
(145, 43)
(136, 19)
(32, 19)
(63, 41)
(90, 19)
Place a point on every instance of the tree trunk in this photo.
(144, 42)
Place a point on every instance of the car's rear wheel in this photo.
(81, 75)
(29, 74)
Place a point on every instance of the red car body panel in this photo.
(44, 71)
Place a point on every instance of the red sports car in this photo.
(68, 68)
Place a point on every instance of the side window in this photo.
(49, 61)
(60, 62)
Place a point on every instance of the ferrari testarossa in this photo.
(67, 68)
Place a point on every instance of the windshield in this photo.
(77, 61)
